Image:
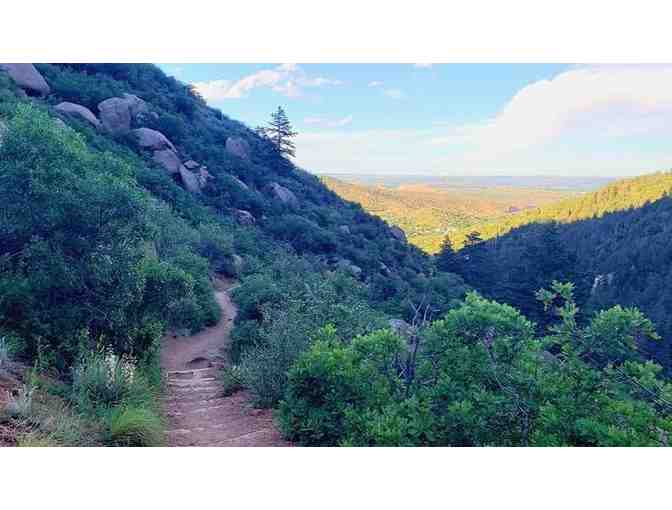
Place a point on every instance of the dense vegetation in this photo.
(355, 336)
(427, 214)
(615, 244)
(481, 377)
(102, 251)
(618, 196)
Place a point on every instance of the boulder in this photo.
(168, 160)
(137, 106)
(152, 139)
(115, 116)
(79, 111)
(398, 234)
(344, 229)
(283, 194)
(238, 147)
(190, 180)
(244, 217)
(191, 164)
(27, 77)
(117, 113)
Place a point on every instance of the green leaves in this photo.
(74, 246)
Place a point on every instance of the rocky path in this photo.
(198, 414)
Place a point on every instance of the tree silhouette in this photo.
(280, 133)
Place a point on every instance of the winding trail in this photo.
(198, 414)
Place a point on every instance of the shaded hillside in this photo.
(617, 196)
(622, 257)
(427, 213)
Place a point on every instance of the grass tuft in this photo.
(136, 426)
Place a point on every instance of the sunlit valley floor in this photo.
(428, 208)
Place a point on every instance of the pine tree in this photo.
(280, 133)
(447, 260)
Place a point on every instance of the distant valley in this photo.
(428, 208)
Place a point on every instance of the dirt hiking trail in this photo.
(197, 412)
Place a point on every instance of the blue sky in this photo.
(455, 119)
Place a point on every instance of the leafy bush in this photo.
(103, 380)
(89, 250)
(136, 426)
(290, 302)
(332, 382)
(482, 378)
(231, 379)
(80, 87)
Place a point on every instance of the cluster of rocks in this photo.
(118, 115)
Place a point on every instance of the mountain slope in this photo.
(124, 194)
(615, 244)
(247, 174)
(620, 195)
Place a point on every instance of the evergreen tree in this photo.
(280, 133)
(447, 260)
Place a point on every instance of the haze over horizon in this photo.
(480, 119)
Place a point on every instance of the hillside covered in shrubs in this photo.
(124, 194)
(614, 244)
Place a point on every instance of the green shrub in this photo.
(136, 426)
(332, 383)
(232, 380)
(103, 380)
(281, 310)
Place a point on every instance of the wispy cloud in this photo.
(324, 122)
(375, 83)
(600, 101)
(423, 66)
(394, 93)
(590, 120)
(286, 79)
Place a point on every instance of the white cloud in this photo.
(286, 79)
(605, 101)
(423, 66)
(324, 122)
(394, 93)
(602, 120)
(375, 83)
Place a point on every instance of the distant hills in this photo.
(557, 183)
(429, 208)
(617, 196)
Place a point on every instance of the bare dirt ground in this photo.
(198, 413)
